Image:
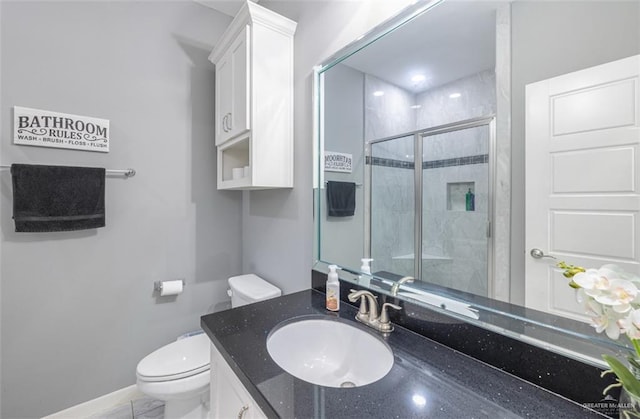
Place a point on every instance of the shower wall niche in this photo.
(461, 196)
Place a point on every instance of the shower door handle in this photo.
(539, 254)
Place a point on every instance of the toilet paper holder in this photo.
(157, 285)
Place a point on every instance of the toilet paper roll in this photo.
(171, 288)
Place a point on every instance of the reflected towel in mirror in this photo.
(341, 198)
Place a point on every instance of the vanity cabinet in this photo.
(254, 101)
(229, 398)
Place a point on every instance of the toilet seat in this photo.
(180, 359)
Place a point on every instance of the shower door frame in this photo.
(418, 137)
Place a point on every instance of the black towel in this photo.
(341, 198)
(57, 198)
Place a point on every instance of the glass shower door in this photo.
(456, 208)
(392, 226)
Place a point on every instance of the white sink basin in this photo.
(329, 352)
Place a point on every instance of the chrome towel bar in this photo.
(124, 172)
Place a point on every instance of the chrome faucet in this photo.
(367, 300)
(396, 286)
(368, 313)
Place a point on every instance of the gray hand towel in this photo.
(57, 198)
(341, 198)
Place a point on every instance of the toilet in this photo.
(178, 373)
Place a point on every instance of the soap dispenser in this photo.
(333, 289)
(365, 268)
(470, 199)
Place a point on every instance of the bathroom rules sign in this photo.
(338, 162)
(52, 129)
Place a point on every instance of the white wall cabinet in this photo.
(229, 398)
(254, 101)
(232, 89)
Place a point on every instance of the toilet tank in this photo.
(250, 288)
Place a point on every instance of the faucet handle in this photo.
(396, 286)
(384, 316)
(363, 312)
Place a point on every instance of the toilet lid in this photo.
(179, 359)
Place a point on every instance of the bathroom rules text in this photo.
(41, 128)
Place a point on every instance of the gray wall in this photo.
(77, 308)
(343, 237)
(550, 39)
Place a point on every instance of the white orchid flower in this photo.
(619, 272)
(611, 298)
(619, 295)
(608, 287)
(581, 296)
(630, 324)
(603, 319)
(593, 281)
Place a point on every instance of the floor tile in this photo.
(122, 411)
(157, 413)
(141, 406)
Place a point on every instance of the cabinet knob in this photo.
(241, 412)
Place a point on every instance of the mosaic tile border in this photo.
(380, 161)
(458, 161)
(433, 164)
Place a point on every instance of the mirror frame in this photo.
(517, 318)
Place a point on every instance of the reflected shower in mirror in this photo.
(443, 173)
(429, 110)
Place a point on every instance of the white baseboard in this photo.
(102, 403)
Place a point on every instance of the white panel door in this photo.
(582, 178)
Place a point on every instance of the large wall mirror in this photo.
(427, 157)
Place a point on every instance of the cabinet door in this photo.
(224, 100)
(229, 398)
(231, 401)
(232, 90)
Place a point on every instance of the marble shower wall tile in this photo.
(463, 143)
(477, 99)
(503, 288)
(392, 219)
(389, 114)
(454, 241)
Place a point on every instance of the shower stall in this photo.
(429, 194)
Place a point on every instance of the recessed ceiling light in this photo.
(418, 78)
(378, 93)
(455, 95)
(419, 400)
(416, 106)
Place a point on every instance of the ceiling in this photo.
(451, 41)
(228, 7)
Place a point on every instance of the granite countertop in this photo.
(426, 380)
